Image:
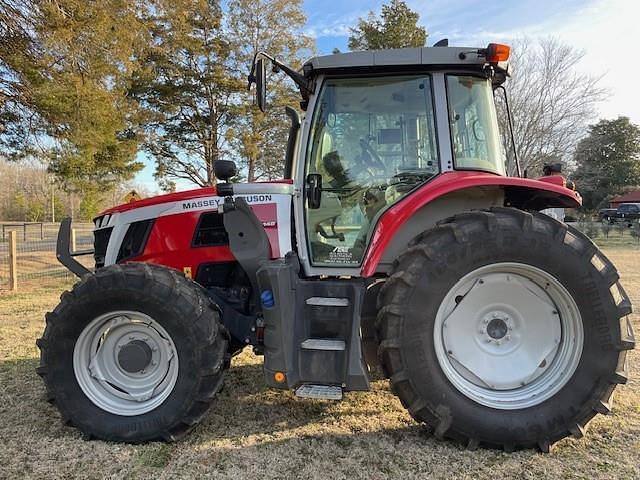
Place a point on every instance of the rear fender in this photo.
(452, 193)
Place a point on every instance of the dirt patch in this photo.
(252, 432)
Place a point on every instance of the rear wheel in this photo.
(133, 353)
(504, 328)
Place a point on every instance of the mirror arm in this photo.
(306, 87)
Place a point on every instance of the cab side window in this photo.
(373, 141)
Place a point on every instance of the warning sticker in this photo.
(341, 255)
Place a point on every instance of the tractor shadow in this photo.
(244, 408)
(247, 407)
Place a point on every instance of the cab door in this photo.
(371, 141)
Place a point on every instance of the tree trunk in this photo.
(251, 176)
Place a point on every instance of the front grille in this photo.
(100, 242)
(210, 231)
(135, 239)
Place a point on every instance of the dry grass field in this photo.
(253, 432)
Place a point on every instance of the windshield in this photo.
(474, 124)
(373, 141)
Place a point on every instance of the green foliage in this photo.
(274, 26)
(70, 89)
(27, 209)
(17, 52)
(185, 86)
(84, 86)
(608, 160)
(397, 27)
(90, 206)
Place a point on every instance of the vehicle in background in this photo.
(605, 214)
(628, 213)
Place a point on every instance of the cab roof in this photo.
(403, 59)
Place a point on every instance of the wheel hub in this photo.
(135, 356)
(497, 328)
(125, 362)
(499, 335)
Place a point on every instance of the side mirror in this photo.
(314, 190)
(225, 169)
(261, 84)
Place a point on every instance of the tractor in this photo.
(395, 243)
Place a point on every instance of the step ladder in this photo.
(319, 392)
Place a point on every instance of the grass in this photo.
(253, 432)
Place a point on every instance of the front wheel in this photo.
(133, 353)
(505, 329)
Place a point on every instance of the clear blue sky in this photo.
(606, 30)
(458, 20)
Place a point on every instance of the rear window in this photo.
(474, 125)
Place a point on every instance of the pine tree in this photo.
(72, 79)
(397, 27)
(187, 89)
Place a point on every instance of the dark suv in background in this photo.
(625, 213)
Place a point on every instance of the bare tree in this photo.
(551, 102)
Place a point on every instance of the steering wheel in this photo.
(478, 133)
(370, 156)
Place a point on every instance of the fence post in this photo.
(41, 231)
(73, 240)
(13, 260)
(24, 228)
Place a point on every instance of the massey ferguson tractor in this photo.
(395, 239)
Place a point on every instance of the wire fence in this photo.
(36, 247)
(36, 251)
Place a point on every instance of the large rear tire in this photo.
(133, 353)
(505, 329)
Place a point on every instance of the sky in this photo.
(607, 31)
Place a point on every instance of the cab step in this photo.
(327, 302)
(323, 344)
(319, 392)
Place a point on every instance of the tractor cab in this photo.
(377, 126)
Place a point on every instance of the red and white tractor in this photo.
(396, 238)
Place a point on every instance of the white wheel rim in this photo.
(508, 335)
(102, 374)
